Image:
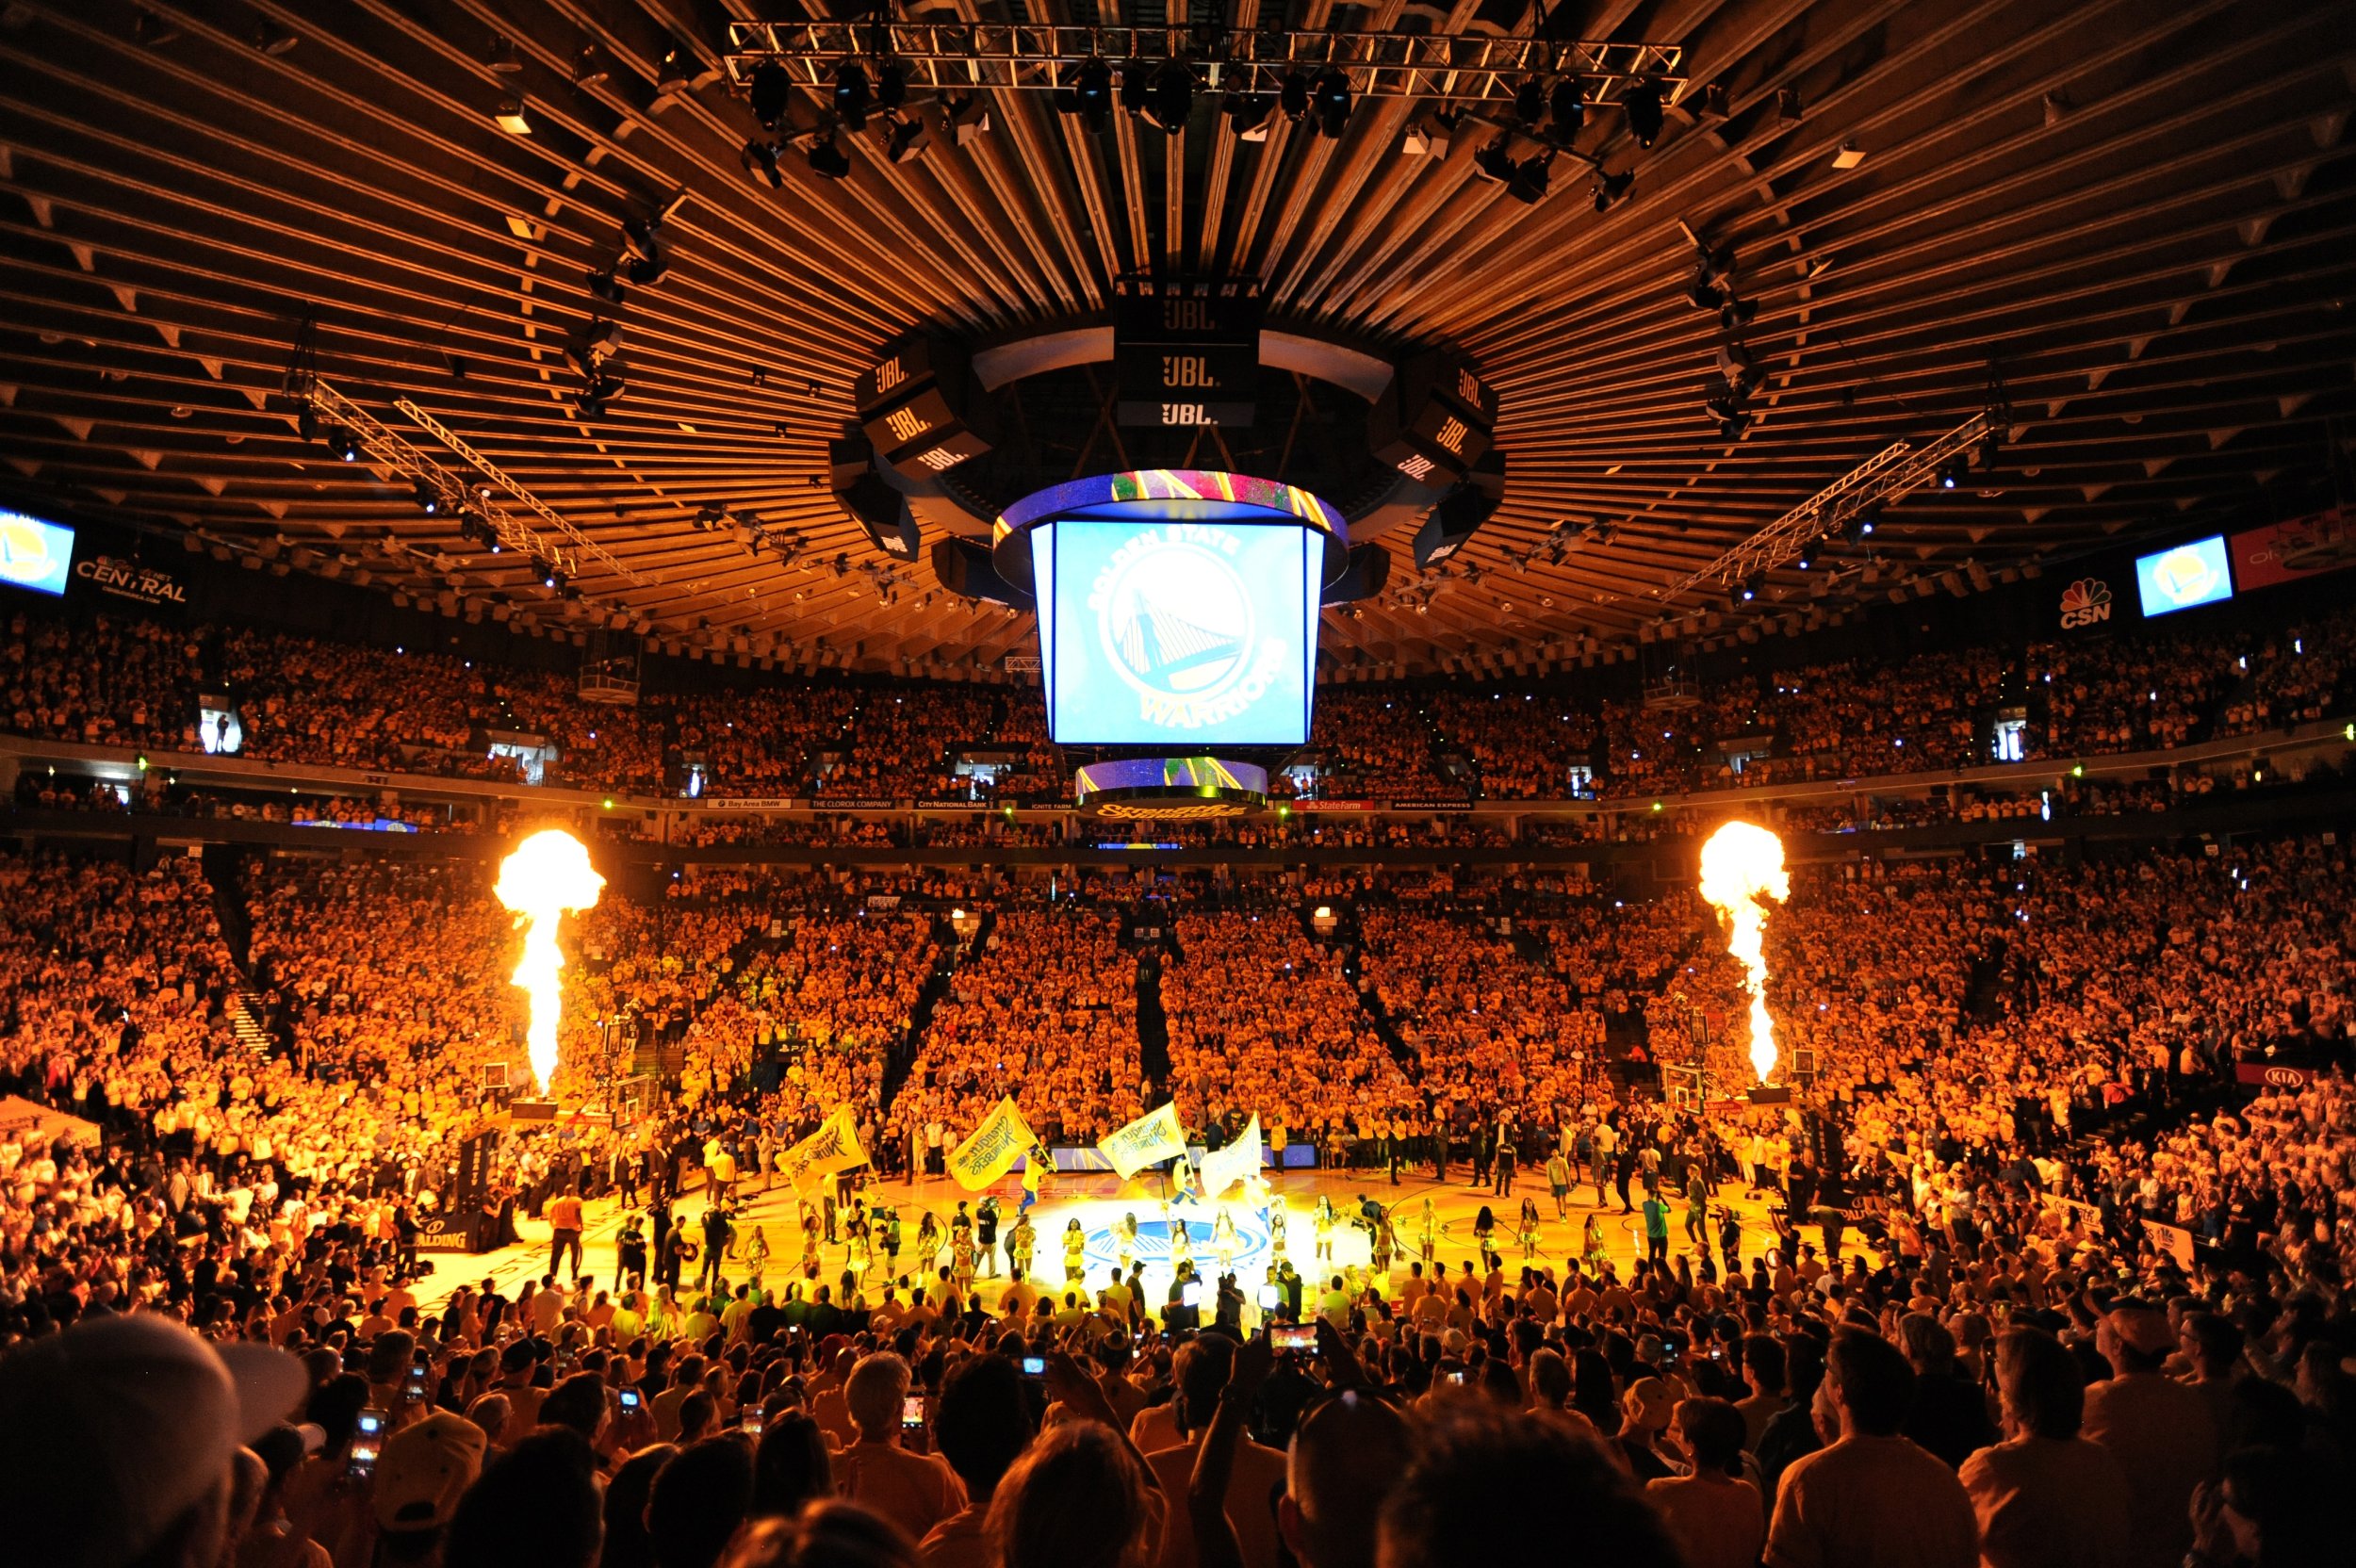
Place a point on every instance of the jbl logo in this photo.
(1468, 388)
(906, 423)
(1453, 435)
(1417, 467)
(1185, 371)
(889, 374)
(1187, 315)
(938, 458)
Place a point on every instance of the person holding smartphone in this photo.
(915, 1491)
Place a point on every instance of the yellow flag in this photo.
(1155, 1136)
(834, 1147)
(1238, 1161)
(991, 1149)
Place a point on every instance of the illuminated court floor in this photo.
(1099, 1202)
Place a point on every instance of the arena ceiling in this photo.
(2132, 222)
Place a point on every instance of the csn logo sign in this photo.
(2084, 602)
(1178, 628)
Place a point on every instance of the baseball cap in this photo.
(2143, 1330)
(424, 1468)
(118, 1425)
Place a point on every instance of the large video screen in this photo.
(34, 554)
(2188, 576)
(1181, 633)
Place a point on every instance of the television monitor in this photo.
(34, 554)
(2185, 577)
(1167, 632)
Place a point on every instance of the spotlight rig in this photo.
(1316, 78)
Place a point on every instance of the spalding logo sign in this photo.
(2084, 602)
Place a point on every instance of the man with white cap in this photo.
(121, 1439)
(2160, 1430)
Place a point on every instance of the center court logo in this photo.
(1178, 624)
(2084, 602)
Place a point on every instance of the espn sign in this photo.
(2272, 1075)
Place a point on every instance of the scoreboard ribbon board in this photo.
(1185, 359)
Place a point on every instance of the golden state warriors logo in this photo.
(27, 556)
(1178, 625)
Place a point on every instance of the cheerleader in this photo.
(1590, 1245)
(1279, 1233)
(1125, 1242)
(1529, 1229)
(1428, 1234)
(961, 1262)
(1024, 1239)
(1485, 1228)
(1075, 1245)
(1181, 1246)
(809, 1231)
(928, 1242)
(1323, 1222)
(756, 1256)
(1224, 1242)
(1385, 1247)
(862, 1250)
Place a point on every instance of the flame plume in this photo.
(548, 874)
(1743, 864)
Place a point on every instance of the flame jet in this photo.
(1742, 865)
(548, 874)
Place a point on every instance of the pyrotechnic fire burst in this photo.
(1743, 864)
(548, 874)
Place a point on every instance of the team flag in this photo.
(991, 1149)
(1155, 1135)
(1239, 1161)
(834, 1147)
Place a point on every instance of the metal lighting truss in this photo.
(395, 450)
(582, 544)
(959, 57)
(1898, 470)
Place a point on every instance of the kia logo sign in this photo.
(2272, 1075)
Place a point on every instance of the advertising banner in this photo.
(2272, 1075)
(2284, 552)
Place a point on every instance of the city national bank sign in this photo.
(128, 580)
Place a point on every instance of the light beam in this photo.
(548, 874)
(1742, 865)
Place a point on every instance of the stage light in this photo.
(1642, 104)
(1610, 189)
(1859, 526)
(1530, 181)
(1991, 445)
(1951, 473)
(1172, 97)
(853, 96)
(1807, 558)
(1731, 426)
(1529, 101)
(891, 86)
(1092, 92)
(343, 446)
(1292, 96)
(1737, 314)
(1495, 161)
(1248, 114)
(1568, 107)
(828, 161)
(601, 389)
(647, 271)
(968, 118)
(510, 117)
(1136, 88)
(1703, 293)
(909, 140)
(544, 573)
(773, 93)
(1752, 585)
(308, 422)
(429, 499)
(1333, 102)
(638, 237)
(759, 159)
(605, 287)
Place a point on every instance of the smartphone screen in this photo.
(367, 1441)
(629, 1398)
(420, 1383)
(1035, 1366)
(912, 1412)
(1294, 1336)
(752, 1419)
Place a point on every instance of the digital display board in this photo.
(34, 554)
(1186, 359)
(2180, 578)
(1184, 633)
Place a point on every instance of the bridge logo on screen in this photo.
(1178, 624)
